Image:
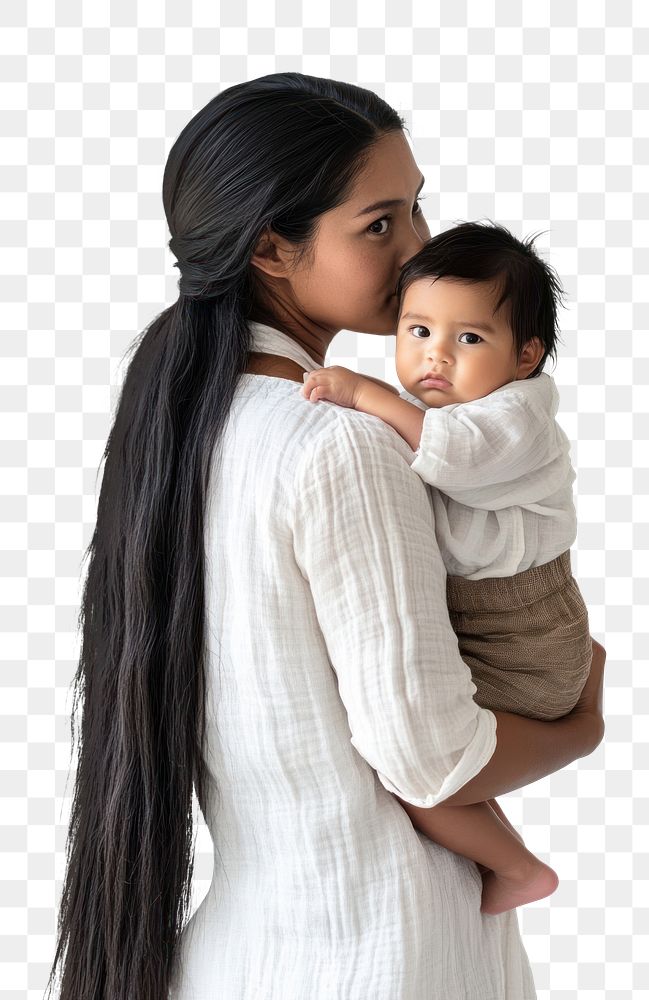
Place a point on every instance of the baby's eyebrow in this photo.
(376, 205)
(479, 326)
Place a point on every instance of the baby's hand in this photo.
(335, 383)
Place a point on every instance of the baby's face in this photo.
(441, 329)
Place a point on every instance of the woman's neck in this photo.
(273, 364)
(313, 341)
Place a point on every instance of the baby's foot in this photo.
(516, 886)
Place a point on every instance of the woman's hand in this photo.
(335, 383)
(591, 699)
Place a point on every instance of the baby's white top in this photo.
(334, 680)
(503, 479)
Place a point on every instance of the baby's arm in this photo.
(369, 395)
(386, 385)
(406, 418)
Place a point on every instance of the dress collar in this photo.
(267, 340)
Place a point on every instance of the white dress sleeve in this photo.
(364, 539)
(502, 450)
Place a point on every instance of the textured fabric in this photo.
(526, 638)
(503, 479)
(335, 678)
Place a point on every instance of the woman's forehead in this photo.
(390, 174)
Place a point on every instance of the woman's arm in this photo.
(364, 539)
(526, 750)
(529, 749)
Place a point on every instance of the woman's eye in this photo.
(478, 338)
(385, 218)
(378, 222)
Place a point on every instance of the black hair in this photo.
(272, 153)
(473, 252)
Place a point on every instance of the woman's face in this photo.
(348, 279)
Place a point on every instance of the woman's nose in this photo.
(413, 244)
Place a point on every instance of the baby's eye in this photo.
(467, 334)
(413, 328)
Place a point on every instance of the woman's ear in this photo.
(272, 254)
(529, 358)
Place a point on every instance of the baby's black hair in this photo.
(476, 251)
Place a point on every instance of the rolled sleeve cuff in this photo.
(474, 757)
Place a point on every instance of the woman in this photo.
(261, 620)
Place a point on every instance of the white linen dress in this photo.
(334, 680)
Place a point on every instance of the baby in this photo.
(477, 320)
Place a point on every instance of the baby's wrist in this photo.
(369, 395)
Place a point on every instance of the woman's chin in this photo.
(382, 324)
(380, 331)
(386, 325)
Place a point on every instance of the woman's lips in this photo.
(435, 383)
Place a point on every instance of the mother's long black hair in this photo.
(275, 152)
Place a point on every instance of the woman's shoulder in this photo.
(344, 431)
(280, 404)
(318, 445)
(347, 452)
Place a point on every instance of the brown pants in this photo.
(525, 637)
